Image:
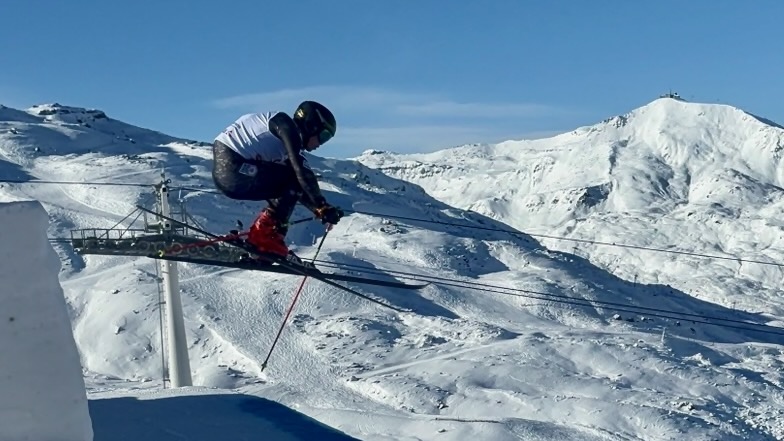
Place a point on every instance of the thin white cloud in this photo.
(338, 97)
(478, 110)
(401, 121)
(346, 99)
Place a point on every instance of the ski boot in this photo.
(267, 235)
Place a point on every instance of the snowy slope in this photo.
(534, 352)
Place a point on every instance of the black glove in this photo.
(329, 214)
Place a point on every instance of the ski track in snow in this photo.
(401, 366)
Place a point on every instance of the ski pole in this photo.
(294, 301)
(299, 221)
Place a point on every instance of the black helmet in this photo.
(312, 119)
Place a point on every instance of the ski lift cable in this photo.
(458, 225)
(39, 181)
(518, 292)
(570, 239)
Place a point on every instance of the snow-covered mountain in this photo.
(694, 177)
(576, 344)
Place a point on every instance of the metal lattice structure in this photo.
(157, 237)
(117, 242)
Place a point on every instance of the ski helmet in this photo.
(313, 119)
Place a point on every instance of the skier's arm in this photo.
(282, 126)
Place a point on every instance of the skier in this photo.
(261, 157)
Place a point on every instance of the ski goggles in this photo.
(325, 135)
(327, 132)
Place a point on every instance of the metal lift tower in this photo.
(157, 235)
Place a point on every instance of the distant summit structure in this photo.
(673, 95)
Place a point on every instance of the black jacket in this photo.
(282, 126)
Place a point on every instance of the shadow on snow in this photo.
(204, 418)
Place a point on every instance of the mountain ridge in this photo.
(668, 149)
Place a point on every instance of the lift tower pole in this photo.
(179, 365)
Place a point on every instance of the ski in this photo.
(275, 260)
(255, 265)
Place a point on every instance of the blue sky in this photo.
(401, 75)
